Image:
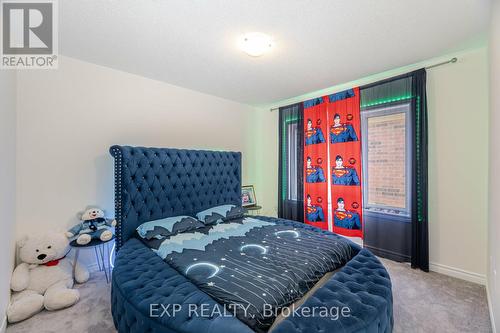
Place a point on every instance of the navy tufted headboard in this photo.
(154, 183)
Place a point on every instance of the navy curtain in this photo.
(291, 158)
(420, 225)
(403, 238)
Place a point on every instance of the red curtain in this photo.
(332, 162)
(344, 137)
(316, 163)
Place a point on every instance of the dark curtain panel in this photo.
(420, 227)
(291, 163)
(401, 235)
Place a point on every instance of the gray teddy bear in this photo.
(93, 225)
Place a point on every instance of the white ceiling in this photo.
(320, 43)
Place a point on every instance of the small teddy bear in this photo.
(93, 225)
(44, 279)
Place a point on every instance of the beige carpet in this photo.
(91, 314)
(423, 302)
(432, 302)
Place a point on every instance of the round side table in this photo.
(253, 210)
(102, 254)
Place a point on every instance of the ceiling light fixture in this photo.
(255, 44)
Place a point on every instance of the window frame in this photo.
(385, 110)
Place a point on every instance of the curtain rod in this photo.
(451, 61)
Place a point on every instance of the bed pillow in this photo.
(168, 226)
(220, 214)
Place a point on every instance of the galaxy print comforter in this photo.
(251, 266)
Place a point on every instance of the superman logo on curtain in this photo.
(344, 175)
(346, 218)
(313, 135)
(314, 213)
(341, 132)
(314, 173)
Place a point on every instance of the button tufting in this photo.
(142, 277)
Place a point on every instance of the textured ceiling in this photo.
(320, 43)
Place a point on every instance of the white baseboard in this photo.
(458, 273)
(4, 324)
(490, 308)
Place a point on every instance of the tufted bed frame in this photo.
(154, 183)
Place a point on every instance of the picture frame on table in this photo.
(248, 198)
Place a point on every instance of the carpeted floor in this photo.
(423, 302)
(432, 302)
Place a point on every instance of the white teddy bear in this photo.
(44, 279)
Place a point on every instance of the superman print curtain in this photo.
(344, 131)
(332, 163)
(316, 163)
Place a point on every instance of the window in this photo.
(292, 168)
(291, 164)
(387, 159)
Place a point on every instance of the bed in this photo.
(156, 183)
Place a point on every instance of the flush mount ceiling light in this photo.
(255, 44)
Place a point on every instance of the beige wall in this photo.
(7, 184)
(494, 199)
(458, 125)
(68, 118)
(265, 163)
(458, 164)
